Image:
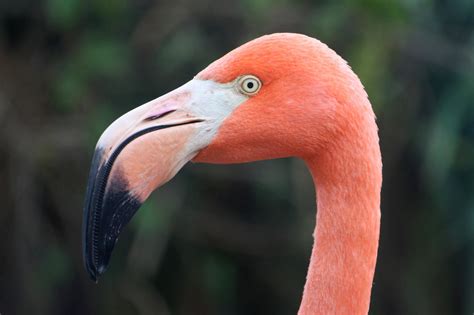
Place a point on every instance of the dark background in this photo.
(229, 239)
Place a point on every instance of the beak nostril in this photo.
(161, 115)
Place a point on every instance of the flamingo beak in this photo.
(141, 151)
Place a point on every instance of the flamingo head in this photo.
(273, 97)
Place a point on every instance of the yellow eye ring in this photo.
(249, 84)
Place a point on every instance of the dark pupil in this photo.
(250, 85)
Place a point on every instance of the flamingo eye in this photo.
(249, 84)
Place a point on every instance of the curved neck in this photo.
(348, 182)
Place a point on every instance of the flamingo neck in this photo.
(348, 182)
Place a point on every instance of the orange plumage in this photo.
(314, 107)
(310, 106)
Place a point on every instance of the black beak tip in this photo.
(107, 211)
(95, 274)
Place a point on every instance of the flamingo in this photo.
(277, 96)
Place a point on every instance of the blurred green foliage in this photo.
(229, 239)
